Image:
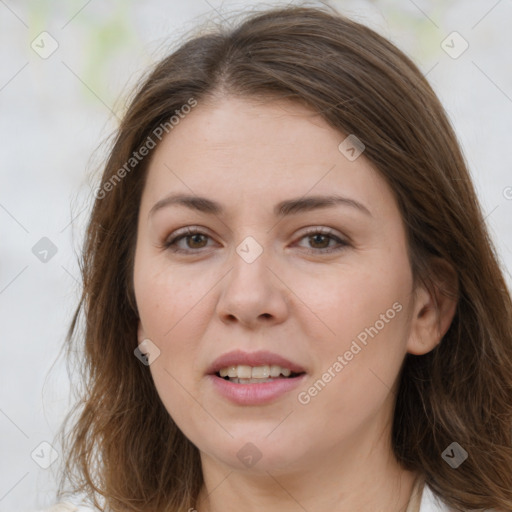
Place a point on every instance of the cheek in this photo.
(344, 302)
(361, 341)
(354, 379)
(171, 316)
(166, 296)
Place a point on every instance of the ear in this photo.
(141, 335)
(434, 309)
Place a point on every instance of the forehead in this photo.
(259, 150)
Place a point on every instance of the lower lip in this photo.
(255, 394)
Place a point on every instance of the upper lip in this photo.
(259, 358)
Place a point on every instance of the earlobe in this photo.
(434, 308)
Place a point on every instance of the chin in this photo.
(258, 455)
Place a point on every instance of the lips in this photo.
(259, 358)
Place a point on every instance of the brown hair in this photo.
(123, 448)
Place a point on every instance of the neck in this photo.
(354, 480)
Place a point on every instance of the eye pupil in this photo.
(315, 239)
(196, 238)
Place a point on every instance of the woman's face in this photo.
(278, 275)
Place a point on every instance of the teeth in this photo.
(275, 370)
(250, 381)
(244, 371)
(261, 373)
(286, 372)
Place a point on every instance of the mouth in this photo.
(245, 374)
(254, 378)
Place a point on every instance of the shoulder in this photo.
(431, 503)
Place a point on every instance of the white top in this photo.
(429, 503)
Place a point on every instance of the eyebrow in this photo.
(282, 209)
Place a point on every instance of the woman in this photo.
(290, 297)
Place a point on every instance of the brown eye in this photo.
(197, 240)
(320, 241)
(189, 241)
(323, 241)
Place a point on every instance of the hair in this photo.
(123, 448)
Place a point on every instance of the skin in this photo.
(333, 453)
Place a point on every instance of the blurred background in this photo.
(66, 69)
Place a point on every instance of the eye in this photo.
(193, 238)
(320, 239)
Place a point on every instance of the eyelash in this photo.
(170, 244)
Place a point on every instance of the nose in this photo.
(252, 293)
